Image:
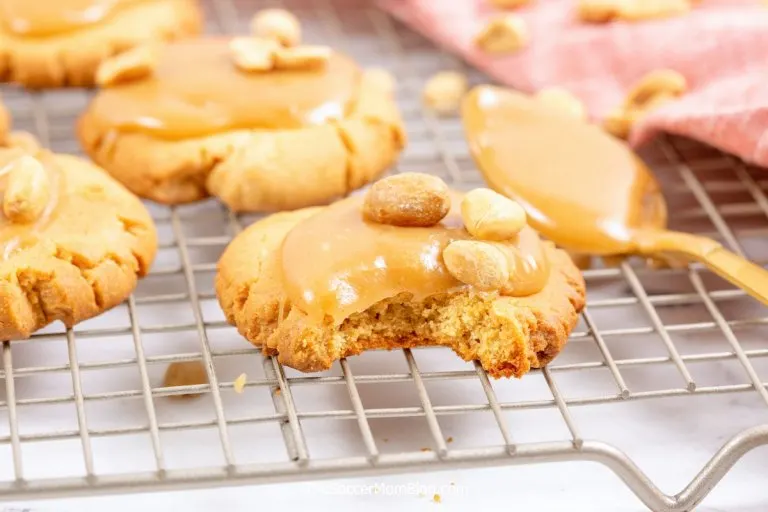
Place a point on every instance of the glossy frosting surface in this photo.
(581, 188)
(336, 264)
(40, 18)
(197, 90)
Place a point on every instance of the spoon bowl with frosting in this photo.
(582, 188)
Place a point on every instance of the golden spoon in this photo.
(582, 188)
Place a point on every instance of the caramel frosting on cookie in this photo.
(196, 90)
(42, 18)
(337, 263)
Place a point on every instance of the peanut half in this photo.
(408, 199)
(24, 141)
(185, 373)
(638, 10)
(277, 24)
(302, 57)
(602, 11)
(658, 82)
(253, 54)
(27, 191)
(651, 91)
(488, 215)
(477, 264)
(382, 79)
(239, 383)
(443, 92)
(559, 100)
(134, 64)
(509, 4)
(598, 11)
(503, 34)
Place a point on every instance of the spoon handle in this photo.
(751, 278)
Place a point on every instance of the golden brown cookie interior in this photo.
(196, 90)
(336, 263)
(42, 18)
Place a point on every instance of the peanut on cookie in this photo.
(27, 190)
(488, 215)
(277, 24)
(409, 199)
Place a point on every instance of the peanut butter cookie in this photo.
(261, 126)
(318, 284)
(54, 43)
(73, 241)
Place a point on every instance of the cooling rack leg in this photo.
(700, 486)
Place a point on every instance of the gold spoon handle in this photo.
(751, 278)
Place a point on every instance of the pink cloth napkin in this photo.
(721, 47)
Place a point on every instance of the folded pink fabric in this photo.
(721, 47)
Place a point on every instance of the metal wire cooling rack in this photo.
(647, 338)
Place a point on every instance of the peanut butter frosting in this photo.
(196, 90)
(42, 18)
(580, 187)
(335, 263)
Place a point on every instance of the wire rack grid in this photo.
(647, 337)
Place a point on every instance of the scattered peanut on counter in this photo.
(185, 373)
(239, 383)
(443, 91)
(509, 4)
(382, 78)
(603, 11)
(503, 34)
(651, 91)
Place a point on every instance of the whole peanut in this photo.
(488, 215)
(478, 264)
(27, 191)
(277, 24)
(408, 199)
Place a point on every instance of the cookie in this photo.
(260, 140)
(46, 43)
(318, 284)
(73, 241)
